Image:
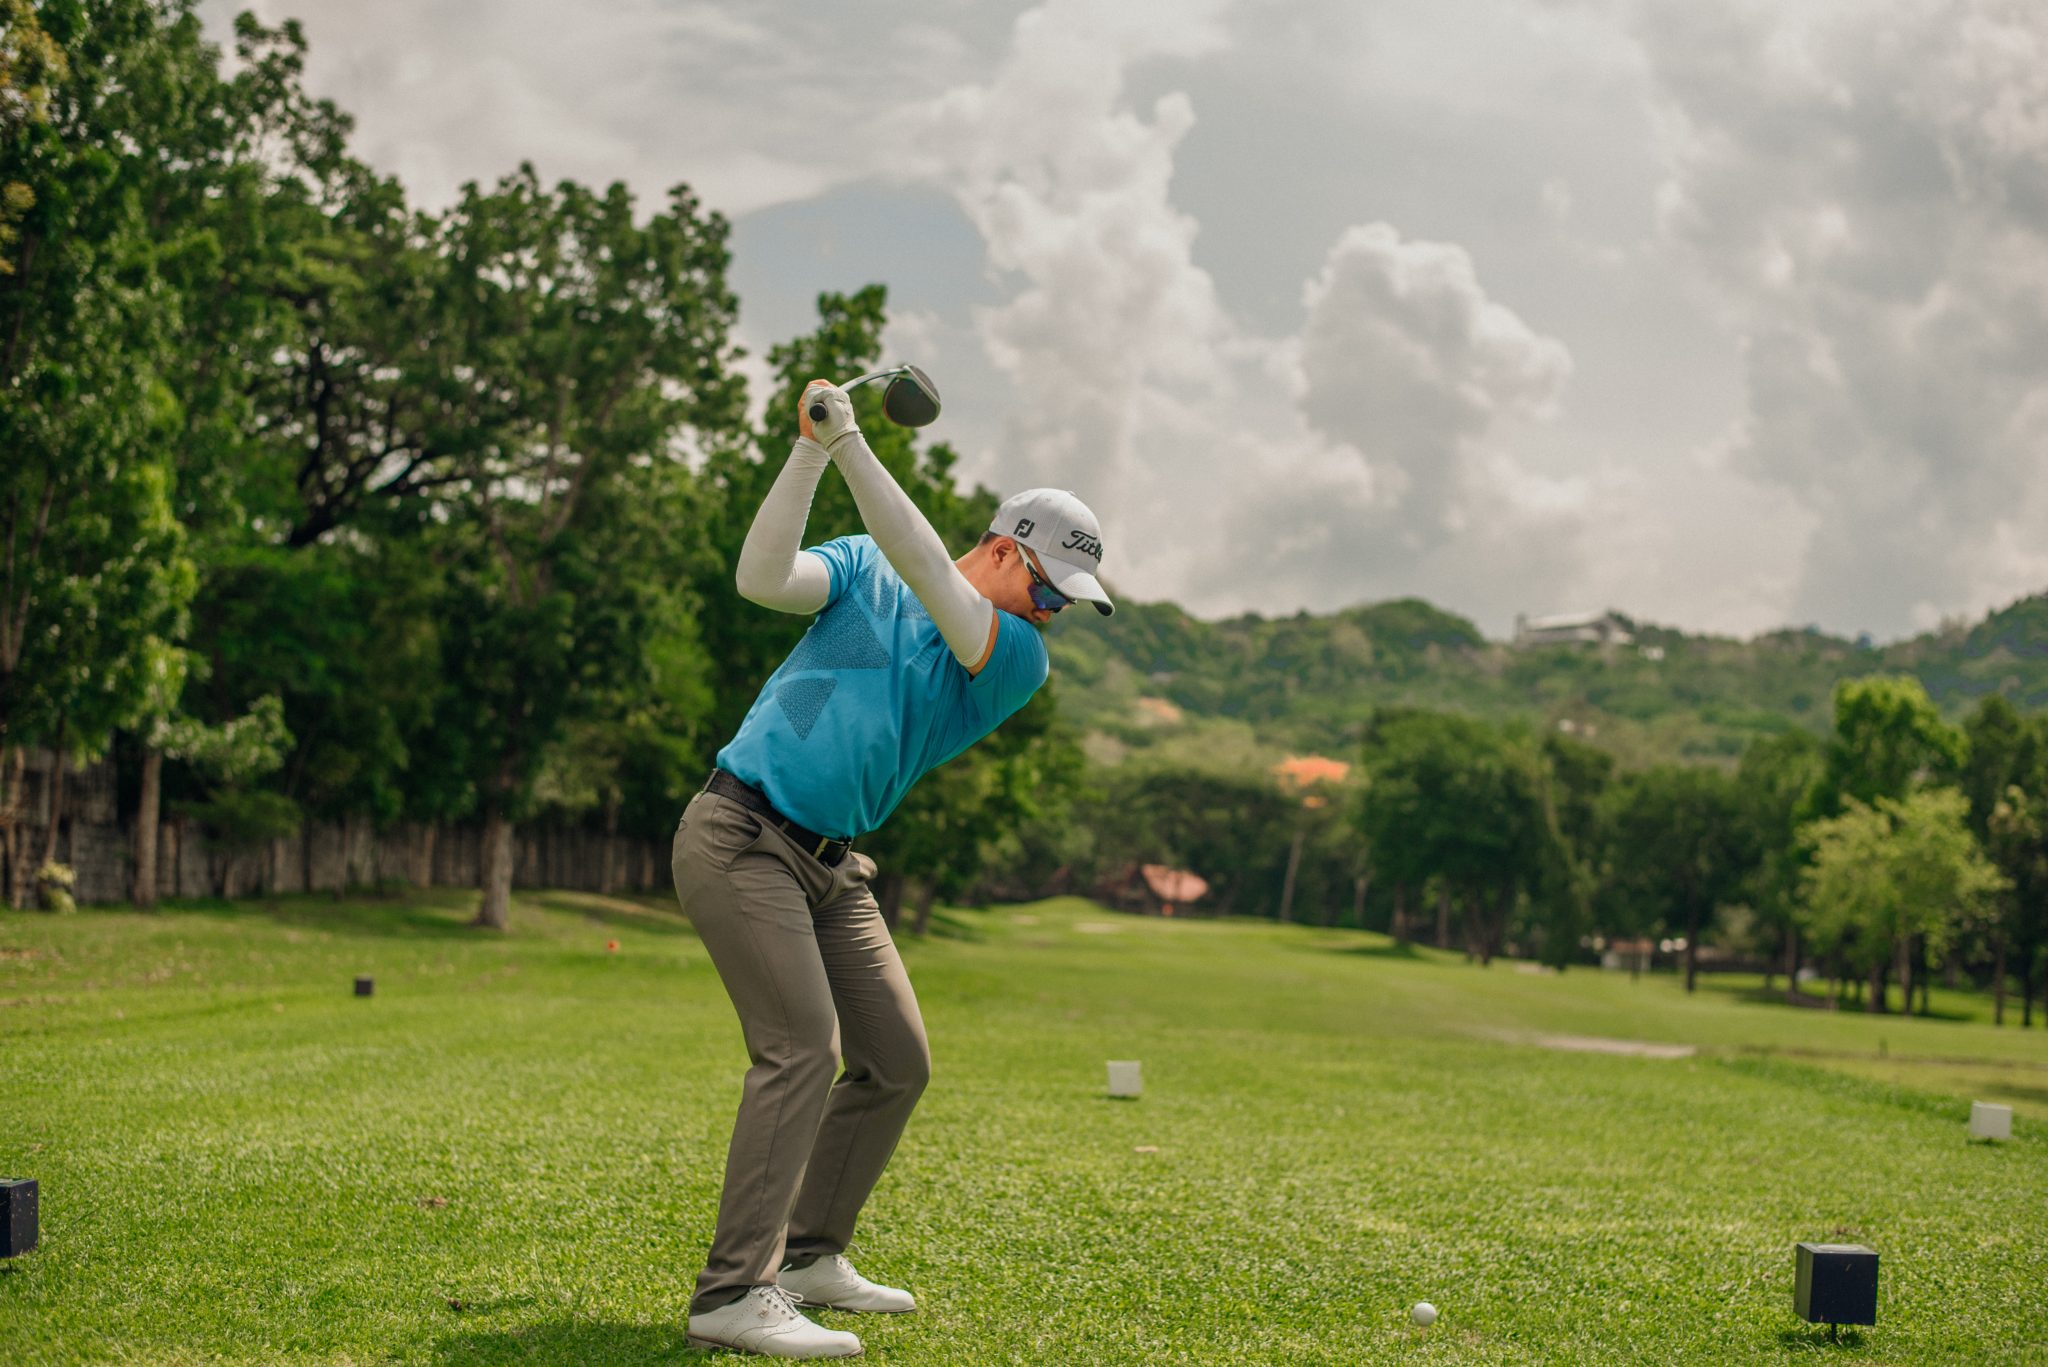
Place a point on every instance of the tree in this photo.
(1675, 850)
(604, 341)
(1575, 776)
(1449, 798)
(1888, 740)
(96, 574)
(238, 817)
(1887, 874)
(2005, 778)
(1776, 783)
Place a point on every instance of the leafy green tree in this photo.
(237, 815)
(609, 339)
(1888, 740)
(1675, 851)
(96, 576)
(1883, 876)
(1451, 799)
(1575, 776)
(1776, 785)
(2006, 781)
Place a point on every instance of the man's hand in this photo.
(838, 419)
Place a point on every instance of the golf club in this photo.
(911, 400)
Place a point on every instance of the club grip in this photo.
(817, 412)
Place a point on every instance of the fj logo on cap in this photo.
(1024, 527)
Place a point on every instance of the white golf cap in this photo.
(1067, 539)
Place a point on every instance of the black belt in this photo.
(822, 848)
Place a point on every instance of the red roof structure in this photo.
(1174, 885)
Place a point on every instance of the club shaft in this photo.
(818, 409)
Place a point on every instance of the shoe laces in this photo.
(780, 1301)
(844, 1264)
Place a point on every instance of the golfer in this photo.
(913, 657)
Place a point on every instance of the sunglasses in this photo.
(1044, 596)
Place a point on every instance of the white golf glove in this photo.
(838, 420)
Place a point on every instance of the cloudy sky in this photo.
(1730, 315)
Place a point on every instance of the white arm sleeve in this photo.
(773, 571)
(914, 550)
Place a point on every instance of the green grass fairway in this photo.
(510, 1154)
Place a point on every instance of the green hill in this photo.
(1249, 687)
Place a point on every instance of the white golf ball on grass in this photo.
(1424, 1313)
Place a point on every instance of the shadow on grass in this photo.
(572, 1345)
(659, 917)
(424, 913)
(1816, 1339)
(1756, 995)
(1390, 949)
(953, 924)
(2013, 1091)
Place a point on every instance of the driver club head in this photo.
(911, 400)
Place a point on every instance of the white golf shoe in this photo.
(765, 1321)
(832, 1284)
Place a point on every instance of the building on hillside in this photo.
(1608, 628)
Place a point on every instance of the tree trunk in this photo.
(927, 893)
(1792, 964)
(1400, 912)
(1875, 1003)
(1358, 888)
(1905, 971)
(177, 859)
(1443, 916)
(424, 874)
(1496, 931)
(147, 813)
(12, 768)
(606, 879)
(56, 803)
(1287, 885)
(495, 911)
(892, 899)
(1998, 978)
(1692, 947)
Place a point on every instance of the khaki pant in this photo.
(807, 960)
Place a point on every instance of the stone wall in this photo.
(97, 840)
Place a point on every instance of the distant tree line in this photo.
(1893, 849)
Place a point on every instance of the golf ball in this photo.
(1423, 1313)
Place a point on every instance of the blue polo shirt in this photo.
(872, 699)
